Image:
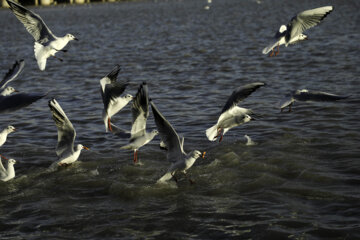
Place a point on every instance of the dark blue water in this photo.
(301, 180)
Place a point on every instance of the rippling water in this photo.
(301, 180)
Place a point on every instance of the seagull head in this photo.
(11, 161)
(154, 132)
(10, 129)
(71, 37)
(196, 154)
(248, 118)
(303, 37)
(80, 147)
(8, 90)
(129, 97)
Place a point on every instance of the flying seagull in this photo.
(111, 95)
(66, 137)
(293, 31)
(232, 115)
(9, 173)
(17, 101)
(180, 161)
(46, 43)
(13, 72)
(304, 95)
(140, 113)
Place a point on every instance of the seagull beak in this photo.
(306, 38)
(16, 90)
(86, 148)
(76, 39)
(203, 155)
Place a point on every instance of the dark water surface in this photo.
(301, 180)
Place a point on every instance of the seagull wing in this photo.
(120, 132)
(32, 22)
(169, 136)
(305, 95)
(66, 131)
(13, 72)
(110, 89)
(14, 102)
(308, 19)
(241, 93)
(2, 169)
(140, 111)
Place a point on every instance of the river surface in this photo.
(300, 181)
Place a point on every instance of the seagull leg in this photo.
(135, 156)
(272, 53)
(109, 125)
(278, 50)
(221, 136)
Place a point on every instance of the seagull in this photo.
(46, 43)
(180, 161)
(232, 115)
(13, 72)
(66, 137)
(293, 31)
(4, 133)
(9, 173)
(110, 92)
(305, 95)
(140, 113)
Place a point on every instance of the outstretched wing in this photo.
(168, 135)
(32, 22)
(241, 93)
(66, 131)
(308, 19)
(15, 102)
(140, 111)
(305, 95)
(13, 72)
(110, 89)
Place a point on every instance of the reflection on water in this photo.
(299, 181)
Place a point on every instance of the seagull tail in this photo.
(165, 178)
(39, 55)
(128, 147)
(270, 47)
(212, 132)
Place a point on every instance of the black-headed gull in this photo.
(305, 95)
(232, 115)
(180, 161)
(111, 95)
(66, 137)
(140, 113)
(293, 31)
(9, 173)
(4, 133)
(13, 72)
(46, 43)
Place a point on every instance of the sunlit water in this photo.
(300, 181)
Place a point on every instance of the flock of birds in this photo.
(47, 45)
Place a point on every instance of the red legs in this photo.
(219, 133)
(278, 50)
(109, 125)
(275, 53)
(135, 156)
(272, 53)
